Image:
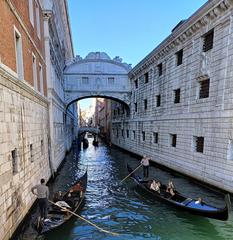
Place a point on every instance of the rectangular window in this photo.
(160, 69)
(179, 57)
(31, 153)
(177, 95)
(127, 133)
(173, 140)
(85, 80)
(198, 144)
(37, 20)
(34, 72)
(208, 40)
(111, 81)
(136, 83)
(204, 86)
(118, 111)
(31, 11)
(155, 137)
(117, 132)
(143, 136)
(134, 134)
(19, 54)
(135, 107)
(41, 79)
(14, 161)
(145, 104)
(122, 132)
(146, 77)
(158, 100)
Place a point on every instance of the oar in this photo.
(131, 173)
(84, 219)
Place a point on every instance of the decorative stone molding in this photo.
(209, 11)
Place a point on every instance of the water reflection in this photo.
(122, 208)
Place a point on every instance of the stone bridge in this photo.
(97, 75)
(88, 129)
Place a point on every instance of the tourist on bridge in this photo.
(145, 163)
(42, 193)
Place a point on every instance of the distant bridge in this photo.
(88, 129)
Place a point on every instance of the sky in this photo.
(130, 29)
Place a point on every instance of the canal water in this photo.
(122, 208)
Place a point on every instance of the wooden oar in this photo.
(84, 219)
(131, 173)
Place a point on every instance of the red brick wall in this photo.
(7, 43)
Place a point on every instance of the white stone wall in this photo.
(23, 122)
(210, 117)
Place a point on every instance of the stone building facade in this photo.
(58, 50)
(23, 110)
(181, 103)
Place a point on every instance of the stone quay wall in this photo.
(23, 148)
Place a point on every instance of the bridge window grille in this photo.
(173, 138)
(155, 137)
(177, 95)
(158, 101)
(145, 104)
(14, 161)
(208, 40)
(118, 111)
(111, 80)
(117, 132)
(143, 136)
(179, 57)
(85, 80)
(198, 144)
(204, 86)
(146, 77)
(136, 83)
(160, 69)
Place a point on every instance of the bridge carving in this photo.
(97, 75)
(88, 129)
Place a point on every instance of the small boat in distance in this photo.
(85, 143)
(182, 202)
(57, 216)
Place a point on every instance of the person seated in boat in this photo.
(170, 188)
(69, 199)
(155, 186)
(199, 201)
(78, 188)
(58, 196)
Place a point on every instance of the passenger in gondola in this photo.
(78, 188)
(155, 186)
(58, 196)
(170, 189)
(199, 201)
(68, 198)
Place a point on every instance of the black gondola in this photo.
(56, 216)
(182, 202)
(95, 143)
(85, 143)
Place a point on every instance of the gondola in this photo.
(85, 143)
(95, 143)
(56, 216)
(182, 202)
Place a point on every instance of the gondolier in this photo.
(145, 163)
(42, 193)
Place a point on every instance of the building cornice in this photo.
(20, 86)
(208, 12)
